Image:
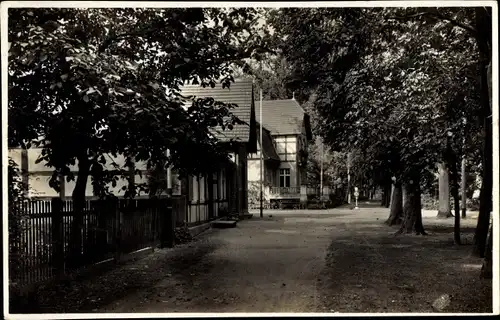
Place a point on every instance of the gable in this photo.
(283, 117)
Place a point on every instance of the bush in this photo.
(182, 235)
(17, 219)
(429, 202)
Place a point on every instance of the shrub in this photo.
(17, 219)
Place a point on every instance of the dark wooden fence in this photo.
(179, 207)
(55, 240)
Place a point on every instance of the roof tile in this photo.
(281, 117)
(239, 93)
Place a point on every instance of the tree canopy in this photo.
(398, 86)
(93, 82)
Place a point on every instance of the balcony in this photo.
(284, 192)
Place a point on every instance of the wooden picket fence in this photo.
(56, 240)
(179, 207)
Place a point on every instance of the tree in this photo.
(444, 192)
(396, 207)
(271, 75)
(338, 69)
(483, 26)
(334, 165)
(384, 86)
(477, 24)
(85, 83)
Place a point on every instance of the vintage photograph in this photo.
(224, 158)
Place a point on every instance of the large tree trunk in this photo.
(396, 212)
(386, 196)
(412, 208)
(463, 188)
(487, 270)
(483, 38)
(392, 195)
(455, 194)
(78, 198)
(444, 192)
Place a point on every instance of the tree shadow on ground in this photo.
(370, 270)
(448, 229)
(94, 290)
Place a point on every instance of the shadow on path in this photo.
(87, 294)
(368, 269)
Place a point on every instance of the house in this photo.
(285, 137)
(227, 189)
(37, 175)
(208, 196)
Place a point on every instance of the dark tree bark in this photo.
(78, 197)
(487, 270)
(483, 38)
(444, 211)
(463, 188)
(396, 212)
(388, 200)
(386, 196)
(455, 194)
(412, 208)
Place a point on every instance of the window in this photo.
(285, 178)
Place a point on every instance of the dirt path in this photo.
(368, 269)
(338, 260)
(268, 265)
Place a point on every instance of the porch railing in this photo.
(285, 190)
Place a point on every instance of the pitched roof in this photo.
(282, 116)
(268, 150)
(239, 93)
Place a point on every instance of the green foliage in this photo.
(88, 82)
(389, 90)
(183, 235)
(17, 218)
(271, 75)
(254, 194)
(157, 180)
(334, 166)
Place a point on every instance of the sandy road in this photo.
(263, 265)
(336, 260)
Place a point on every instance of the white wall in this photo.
(70, 186)
(39, 175)
(253, 170)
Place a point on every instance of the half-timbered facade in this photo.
(225, 191)
(285, 138)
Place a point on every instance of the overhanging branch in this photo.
(455, 22)
(438, 15)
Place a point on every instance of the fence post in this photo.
(115, 207)
(303, 196)
(154, 236)
(167, 224)
(57, 235)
